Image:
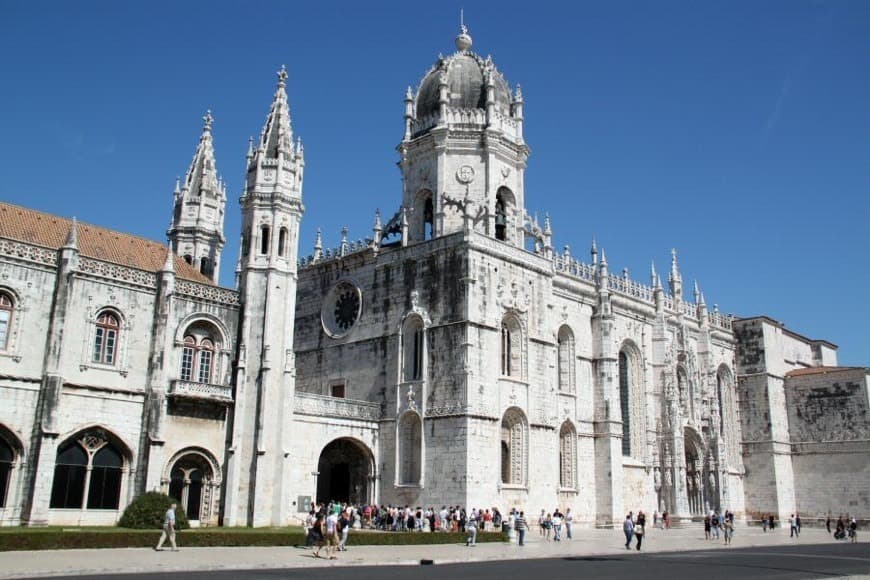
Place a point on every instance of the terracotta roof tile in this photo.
(820, 371)
(50, 231)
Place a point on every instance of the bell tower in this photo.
(463, 156)
(197, 229)
(271, 204)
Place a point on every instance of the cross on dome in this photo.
(463, 40)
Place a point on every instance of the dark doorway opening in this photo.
(344, 472)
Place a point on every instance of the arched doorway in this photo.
(192, 482)
(345, 471)
(694, 471)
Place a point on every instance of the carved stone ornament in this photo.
(465, 174)
(341, 309)
(513, 298)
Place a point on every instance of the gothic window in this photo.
(624, 403)
(413, 346)
(7, 458)
(205, 266)
(566, 365)
(514, 433)
(504, 202)
(189, 481)
(567, 456)
(188, 258)
(631, 400)
(264, 239)
(428, 219)
(7, 308)
(198, 354)
(106, 339)
(282, 242)
(246, 244)
(88, 471)
(511, 348)
(410, 446)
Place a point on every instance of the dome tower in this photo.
(463, 156)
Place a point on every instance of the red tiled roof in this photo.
(50, 231)
(820, 371)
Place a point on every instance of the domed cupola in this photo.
(466, 85)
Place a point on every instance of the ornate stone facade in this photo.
(453, 357)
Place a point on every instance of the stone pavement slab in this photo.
(586, 542)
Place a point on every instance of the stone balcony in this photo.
(335, 407)
(202, 391)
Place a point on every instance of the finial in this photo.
(702, 301)
(697, 292)
(463, 40)
(675, 271)
(658, 282)
(344, 232)
(177, 185)
(299, 148)
(378, 226)
(72, 237)
(318, 240)
(603, 258)
(169, 264)
(652, 273)
(547, 228)
(282, 77)
(404, 216)
(518, 94)
(625, 273)
(594, 249)
(409, 94)
(208, 120)
(250, 147)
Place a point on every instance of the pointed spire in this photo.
(594, 251)
(344, 244)
(378, 227)
(675, 271)
(518, 94)
(177, 185)
(202, 177)
(250, 147)
(652, 273)
(658, 282)
(697, 293)
(603, 258)
(409, 94)
(276, 138)
(318, 246)
(547, 229)
(169, 264)
(72, 237)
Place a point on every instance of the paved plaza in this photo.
(585, 543)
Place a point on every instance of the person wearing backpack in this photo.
(471, 528)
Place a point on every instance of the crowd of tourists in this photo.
(716, 525)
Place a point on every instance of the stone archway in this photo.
(694, 449)
(345, 472)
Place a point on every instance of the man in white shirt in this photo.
(168, 530)
(331, 535)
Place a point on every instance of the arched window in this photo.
(282, 242)
(566, 366)
(414, 346)
(500, 219)
(428, 219)
(106, 339)
(410, 447)
(87, 467)
(631, 400)
(198, 354)
(188, 483)
(504, 203)
(188, 258)
(514, 433)
(7, 458)
(567, 456)
(205, 266)
(511, 348)
(7, 307)
(105, 489)
(625, 402)
(264, 239)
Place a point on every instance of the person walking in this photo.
(343, 529)
(793, 525)
(728, 530)
(828, 523)
(640, 528)
(771, 522)
(471, 528)
(569, 521)
(853, 530)
(797, 522)
(521, 526)
(707, 520)
(331, 535)
(168, 530)
(628, 530)
(714, 525)
(764, 524)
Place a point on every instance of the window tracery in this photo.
(567, 456)
(514, 437)
(88, 471)
(198, 354)
(565, 365)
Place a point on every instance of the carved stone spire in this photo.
(197, 230)
(72, 237)
(276, 139)
(674, 278)
(169, 264)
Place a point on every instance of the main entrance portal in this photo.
(345, 472)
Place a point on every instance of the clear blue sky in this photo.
(737, 132)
